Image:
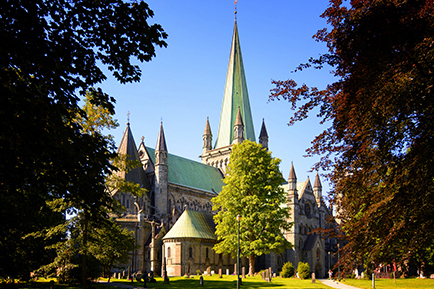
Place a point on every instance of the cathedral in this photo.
(173, 223)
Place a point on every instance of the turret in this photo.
(263, 136)
(207, 138)
(161, 174)
(317, 189)
(238, 129)
(292, 186)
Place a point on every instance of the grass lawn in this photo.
(400, 283)
(248, 283)
(227, 282)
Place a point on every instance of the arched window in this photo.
(168, 252)
(220, 256)
(190, 252)
(123, 199)
(206, 253)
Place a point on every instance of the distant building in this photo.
(173, 222)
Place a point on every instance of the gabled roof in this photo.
(192, 224)
(128, 147)
(235, 96)
(304, 187)
(191, 174)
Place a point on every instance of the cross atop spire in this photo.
(235, 2)
(128, 118)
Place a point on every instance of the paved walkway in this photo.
(336, 284)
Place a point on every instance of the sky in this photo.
(184, 84)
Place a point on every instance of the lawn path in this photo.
(336, 284)
(121, 285)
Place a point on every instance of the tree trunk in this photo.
(252, 265)
(109, 268)
(84, 269)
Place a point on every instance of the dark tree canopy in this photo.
(51, 52)
(379, 145)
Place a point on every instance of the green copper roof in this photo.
(192, 224)
(191, 174)
(235, 96)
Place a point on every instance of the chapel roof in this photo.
(191, 174)
(193, 224)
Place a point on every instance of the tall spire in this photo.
(161, 141)
(127, 146)
(292, 173)
(317, 189)
(235, 96)
(207, 137)
(317, 183)
(263, 136)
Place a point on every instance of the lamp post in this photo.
(238, 253)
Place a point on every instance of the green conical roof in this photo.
(235, 96)
(193, 224)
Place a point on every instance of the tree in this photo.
(51, 54)
(303, 270)
(379, 143)
(253, 191)
(287, 270)
(110, 245)
(102, 240)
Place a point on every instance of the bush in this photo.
(303, 270)
(287, 270)
(198, 272)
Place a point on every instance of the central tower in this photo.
(235, 115)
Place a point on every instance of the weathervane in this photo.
(235, 2)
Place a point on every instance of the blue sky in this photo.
(184, 84)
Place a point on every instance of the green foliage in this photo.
(198, 272)
(378, 144)
(102, 240)
(287, 270)
(303, 270)
(110, 244)
(51, 52)
(253, 191)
